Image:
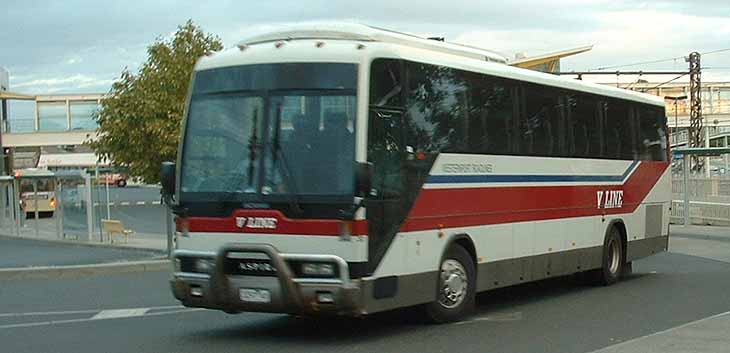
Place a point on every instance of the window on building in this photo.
(82, 115)
(21, 116)
(52, 117)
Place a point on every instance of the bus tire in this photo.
(613, 261)
(456, 287)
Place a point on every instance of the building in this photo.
(715, 98)
(48, 131)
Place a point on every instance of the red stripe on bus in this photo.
(464, 207)
(284, 225)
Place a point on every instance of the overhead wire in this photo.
(659, 60)
(664, 83)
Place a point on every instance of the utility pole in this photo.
(696, 133)
(3, 123)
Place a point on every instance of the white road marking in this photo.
(99, 315)
(120, 313)
(634, 340)
(498, 317)
(156, 202)
(75, 312)
(124, 203)
(48, 313)
(140, 202)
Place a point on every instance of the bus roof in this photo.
(365, 33)
(381, 43)
(33, 173)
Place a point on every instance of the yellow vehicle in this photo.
(43, 199)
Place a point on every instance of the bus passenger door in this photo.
(385, 206)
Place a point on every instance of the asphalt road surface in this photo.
(136, 313)
(28, 252)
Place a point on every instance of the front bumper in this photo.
(287, 293)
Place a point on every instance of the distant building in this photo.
(47, 131)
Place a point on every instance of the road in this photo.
(136, 313)
(28, 252)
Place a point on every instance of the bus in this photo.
(347, 170)
(40, 198)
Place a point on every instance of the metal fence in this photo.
(709, 200)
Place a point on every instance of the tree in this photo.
(139, 121)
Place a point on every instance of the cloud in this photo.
(108, 38)
(61, 84)
(620, 38)
(74, 60)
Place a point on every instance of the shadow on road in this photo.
(304, 330)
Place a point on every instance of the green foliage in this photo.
(139, 121)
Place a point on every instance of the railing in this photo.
(709, 200)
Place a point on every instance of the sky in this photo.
(82, 46)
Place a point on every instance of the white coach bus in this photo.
(342, 169)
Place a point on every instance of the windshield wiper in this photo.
(252, 146)
(284, 166)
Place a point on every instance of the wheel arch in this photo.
(466, 242)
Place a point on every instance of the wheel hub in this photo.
(614, 256)
(454, 284)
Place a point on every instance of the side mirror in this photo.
(363, 179)
(167, 178)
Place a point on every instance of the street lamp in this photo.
(675, 99)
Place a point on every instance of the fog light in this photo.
(318, 269)
(325, 298)
(196, 291)
(204, 265)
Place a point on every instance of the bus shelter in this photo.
(685, 154)
(75, 205)
(10, 216)
(37, 194)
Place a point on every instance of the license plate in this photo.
(254, 295)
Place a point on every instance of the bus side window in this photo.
(652, 134)
(386, 153)
(539, 127)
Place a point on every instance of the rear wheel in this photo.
(456, 287)
(613, 259)
(122, 183)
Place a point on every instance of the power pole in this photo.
(696, 133)
(3, 123)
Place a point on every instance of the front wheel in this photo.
(456, 288)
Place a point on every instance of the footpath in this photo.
(709, 334)
(42, 254)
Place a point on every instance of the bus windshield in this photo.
(270, 129)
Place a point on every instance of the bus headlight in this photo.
(318, 269)
(204, 265)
